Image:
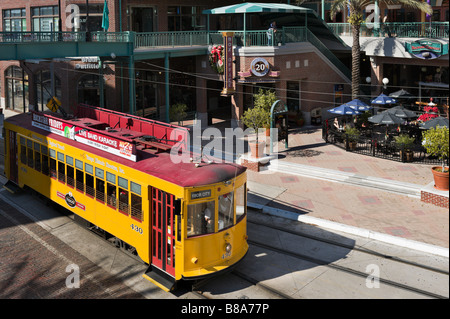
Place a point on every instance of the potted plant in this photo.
(405, 144)
(435, 141)
(265, 99)
(256, 118)
(352, 134)
(177, 112)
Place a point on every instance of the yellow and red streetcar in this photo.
(116, 173)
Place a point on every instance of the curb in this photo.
(398, 241)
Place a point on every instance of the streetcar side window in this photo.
(37, 156)
(70, 171)
(99, 185)
(89, 169)
(136, 201)
(52, 163)
(45, 168)
(30, 161)
(79, 175)
(201, 218)
(61, 168)
(241, 207)
(123, 195)
(23, 150)
(111, 190)
(226, 210)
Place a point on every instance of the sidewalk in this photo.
(319, 183)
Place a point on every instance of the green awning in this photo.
(253, 7)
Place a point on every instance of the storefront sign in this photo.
(228, 81)
(259, 67)
(85, 136)
(89, 63)
(426, 49)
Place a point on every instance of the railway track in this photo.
(349, 270)
(351, 247)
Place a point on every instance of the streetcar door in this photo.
(163, 230)
(13, 167)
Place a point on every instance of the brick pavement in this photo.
(33, 264)
(362, 207)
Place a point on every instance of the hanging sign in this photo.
(426, 49)
(259, 67)
(228, 88)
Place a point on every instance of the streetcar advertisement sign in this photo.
(80, 134)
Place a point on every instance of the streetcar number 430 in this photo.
(137, 228)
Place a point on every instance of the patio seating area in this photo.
(382, 135)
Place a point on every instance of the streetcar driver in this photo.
(207, 225)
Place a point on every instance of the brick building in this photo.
(310, 73)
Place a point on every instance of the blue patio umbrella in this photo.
(383, 99)
(344, 110)
(358, 105)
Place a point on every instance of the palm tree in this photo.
(356, 18)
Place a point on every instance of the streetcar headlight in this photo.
(228, 247)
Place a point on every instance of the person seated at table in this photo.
(336, 123)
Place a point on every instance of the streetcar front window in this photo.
(201, 218)
(226, 213)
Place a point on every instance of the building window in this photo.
(45, 19)
(16, 89)
(185, 18)
(89, 90)
(95, 17)
(14, 20)
(44, 89)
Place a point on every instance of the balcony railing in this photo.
(98, 36)
(240, 38)
(164, 39)
(432, 30)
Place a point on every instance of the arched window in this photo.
(16, 89)
(44, 88)
(89, 90)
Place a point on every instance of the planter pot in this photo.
(257, 149)
(440, 178)
(407, 156)
(352, 145)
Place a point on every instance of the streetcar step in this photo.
(160, 278)
(12, 187)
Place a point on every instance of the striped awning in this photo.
(250, 7)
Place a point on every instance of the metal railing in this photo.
(98, 36)
(432, 30)
(240, 38)
(371, 145)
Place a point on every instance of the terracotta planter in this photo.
(267, 131)
(257, 149)
(440, 179)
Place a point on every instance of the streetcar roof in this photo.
(158, 164)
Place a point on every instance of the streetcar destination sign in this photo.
(201, 194)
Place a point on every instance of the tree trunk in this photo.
(356, 53)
